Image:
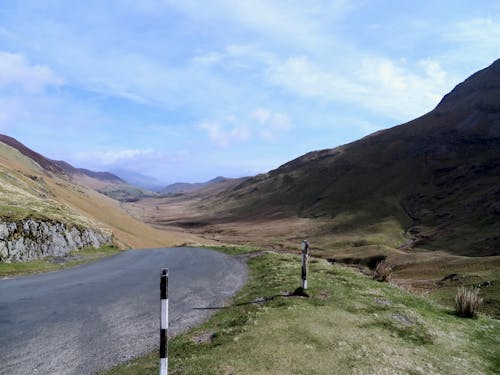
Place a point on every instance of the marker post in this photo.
(164, 322)
(305, 263)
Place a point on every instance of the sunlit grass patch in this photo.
(235, 249)
(349, 325)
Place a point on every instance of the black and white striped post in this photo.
(164, 322)
(305, 261)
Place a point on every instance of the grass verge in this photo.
(234, 249)
(350, 325)
(47, 264)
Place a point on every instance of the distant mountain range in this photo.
(58, 166)
(103, 182)
(139, 179)
(121, 184)
(437, 176)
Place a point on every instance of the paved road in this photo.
(83, 319)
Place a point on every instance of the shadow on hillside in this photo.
(258, 300)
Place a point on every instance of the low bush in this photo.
(383, 271)
(467, 302)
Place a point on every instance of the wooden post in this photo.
(305, 262)
(164, 322)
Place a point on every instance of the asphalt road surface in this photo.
(87, 318)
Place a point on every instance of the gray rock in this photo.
(30, 239)
(4, 231)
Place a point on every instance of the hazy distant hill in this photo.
(438, 176)
(184, 187)
(139, 179)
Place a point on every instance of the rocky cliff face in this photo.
(30, 239)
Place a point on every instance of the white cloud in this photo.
(154, 162)
(474, 41)
(272, 124)
(287, 22)
(115, 157)
(15, 70)
(396, 89)
(208, 58)
(267, 125)
(482, 31)
(224, 134)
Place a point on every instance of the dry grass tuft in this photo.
(467, 302)
(383, 271)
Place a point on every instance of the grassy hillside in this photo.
(350, 325)
(28, 190)
(25, 192)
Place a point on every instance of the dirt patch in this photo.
(204, 338)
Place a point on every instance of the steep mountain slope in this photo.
(38, 193)
(438, 176)
(57, 166)
(103, 182)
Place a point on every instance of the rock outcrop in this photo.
(30, 239)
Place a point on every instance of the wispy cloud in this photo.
(272, 124)
(262, 123)
(116, 157)
(397, 89)
(483, 31)
(16, 72)
(223, 134)
(474, 41)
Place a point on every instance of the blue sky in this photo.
(188, 90)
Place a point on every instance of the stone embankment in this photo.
(30, 239)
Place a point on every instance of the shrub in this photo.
(383, 271)
(467, 302)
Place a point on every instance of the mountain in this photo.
(437, 177)
(57, 166)
(139, 179)
(44, 210)
(104, 182)
(184, 187)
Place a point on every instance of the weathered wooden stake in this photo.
(305, 262)
(164, 322)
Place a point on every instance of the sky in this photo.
(189, 90)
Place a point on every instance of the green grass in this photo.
(47, 264)
(25, 196)
(234, 249)
(126, 193)
(490, 294)
(350, 325)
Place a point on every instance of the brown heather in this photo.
(467, 302)
(383, 271)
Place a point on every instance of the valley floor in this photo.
(433, 273)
